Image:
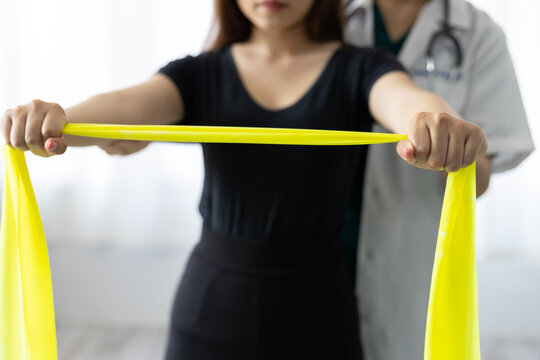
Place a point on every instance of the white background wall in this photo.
(509, 213)
(120, 228)
(65, 51)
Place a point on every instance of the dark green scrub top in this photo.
(382, 39)
(349, 238)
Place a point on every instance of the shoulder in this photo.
(361, 67)
(483, 30)
(191, 63)
(368, 61)
(194, 75)
(484, 43)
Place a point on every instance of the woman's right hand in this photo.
(36, 126)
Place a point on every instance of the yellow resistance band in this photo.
(27, 328)
(223, 134)
(452, 319)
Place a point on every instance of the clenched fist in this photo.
(439, 141)
(36, 126)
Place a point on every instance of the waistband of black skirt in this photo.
(269, 256)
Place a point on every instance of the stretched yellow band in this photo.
(224, 134)
(27, 325)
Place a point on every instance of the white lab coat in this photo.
(402, 204)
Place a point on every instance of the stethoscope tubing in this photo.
(446, 31)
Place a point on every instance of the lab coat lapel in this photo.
(424, 27)
(359, 29)
(415, 45)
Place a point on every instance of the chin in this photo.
(275, 15)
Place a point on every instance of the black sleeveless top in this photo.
(279, 192)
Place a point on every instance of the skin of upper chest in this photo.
(276, 82)
(399, 15)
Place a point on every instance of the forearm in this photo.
(412, 100)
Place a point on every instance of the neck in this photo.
(399, 15)
(276, 43)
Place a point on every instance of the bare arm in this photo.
(438, 138)
(38, 126)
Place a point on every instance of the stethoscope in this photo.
(444, 32)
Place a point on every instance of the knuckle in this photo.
(33, 140)
(476, 131)
(451, 167)
(49, 132)
(419, 119)
(6, 114)
(55, 106)
(473, 135)
(18, 143)
(439, 118)
(468, 159)
(19, 110)
(4, 119)
(442, 119)
(36, 104)
(467, 125)
(435, 162)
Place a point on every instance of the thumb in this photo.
(405, 150)
(55, 146)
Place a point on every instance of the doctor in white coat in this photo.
(401, 204)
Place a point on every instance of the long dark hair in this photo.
(323, 23)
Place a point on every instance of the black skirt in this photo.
(245, 299)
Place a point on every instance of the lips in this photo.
(272, 5)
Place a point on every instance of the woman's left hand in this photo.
(439, 141)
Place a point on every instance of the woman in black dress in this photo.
(266, 280)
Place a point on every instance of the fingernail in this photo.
(405, 152)
(51, 145)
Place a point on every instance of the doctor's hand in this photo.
(438, 141)
(36, 126)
